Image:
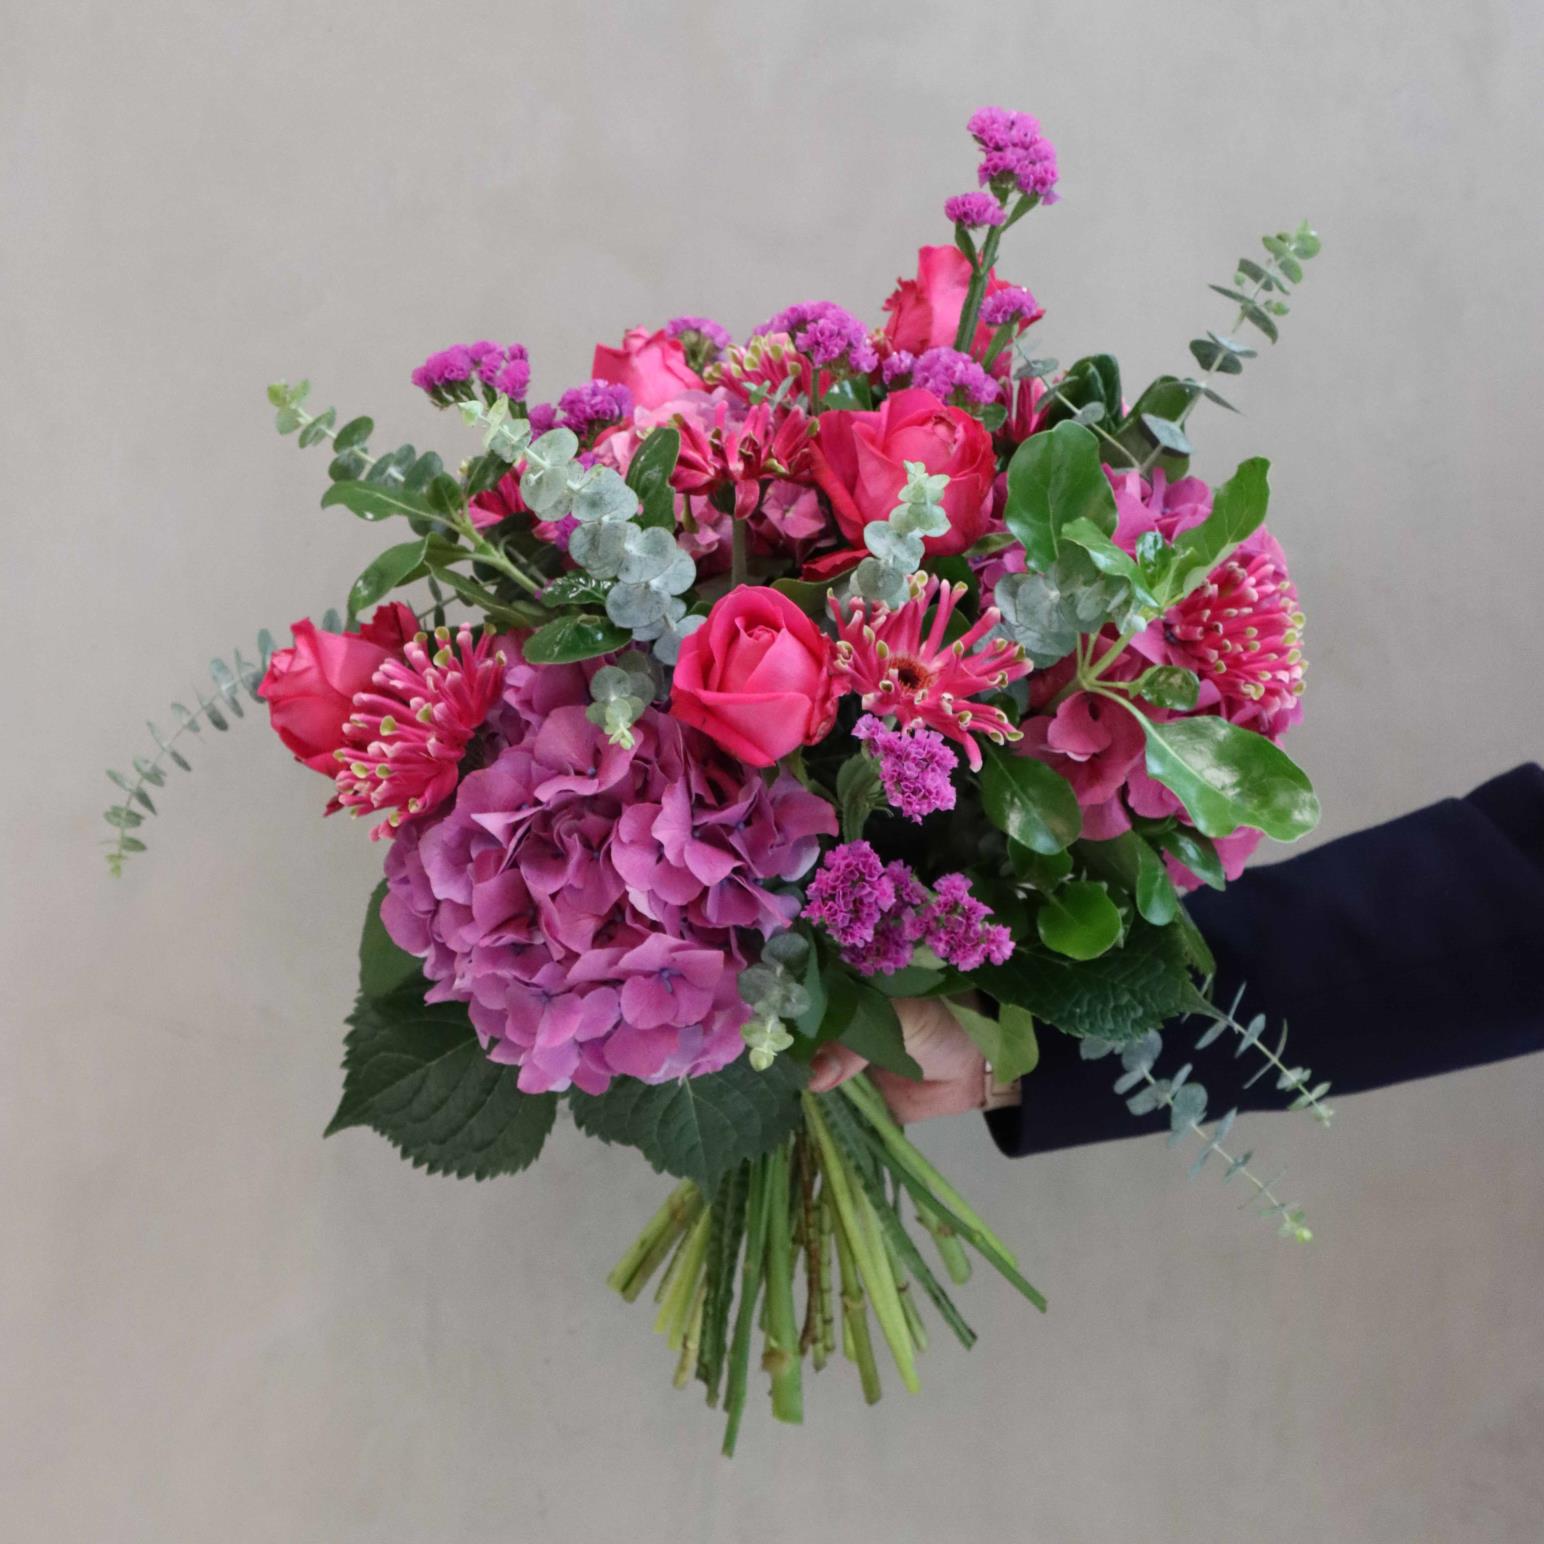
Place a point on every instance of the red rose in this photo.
(650, 365)
(925, 311)
(859, 456)
(754, 677)
(310, 688)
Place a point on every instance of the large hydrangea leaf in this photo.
(698, 1128)
(1117, 997)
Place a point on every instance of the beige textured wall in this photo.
(215, 1326)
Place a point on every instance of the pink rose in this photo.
(651, 365)
(755, 678)
(859, 456)
(925, 311)
(310, 688)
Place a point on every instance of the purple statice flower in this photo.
(447, 373)
(850, 892)
(703, 326)
(1010, 304)
(944, 371)
(543, 416)
(594, 904)
(914, 766)
(978, 211)
(897, 932)
(585, 408)
(955, 927)
(897, 365)
(1015, 153)
(827, 334)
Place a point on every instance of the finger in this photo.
(911, 1101)
(831, 1065)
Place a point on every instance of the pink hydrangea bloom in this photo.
(592, 904)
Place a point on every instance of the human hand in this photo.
(954, 1072)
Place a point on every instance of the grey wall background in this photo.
(217, 1326)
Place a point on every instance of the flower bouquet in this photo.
(753, 687)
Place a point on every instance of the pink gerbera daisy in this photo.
(410, 728)
(920, 678)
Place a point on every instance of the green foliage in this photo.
(1088, 393)
(232, 682)
(864, 1020)
(1054, 479)
(416, 1073)
(1238, 510)
(1046, 613)
(698, 1128)
(1008, 1042)
(383, 967)
(648, 475)
(1117, 997)
(571, 638)
(859, 793)
(1227, 777)
(395, 567)
(1079, 920)
(1029, 801)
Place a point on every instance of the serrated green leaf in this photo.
(1033, 804)
(383, 967)
(1008, 1042)
(1117, 997)
(415, 1072)
(1079, 920)
(571, 638)
(698, 1128)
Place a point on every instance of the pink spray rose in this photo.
(755, 676)
(859, 460)
(651, 365)
(310, 688)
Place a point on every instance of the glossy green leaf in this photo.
(1029, 801)
(1228, 777)
(648, 475)
(571, 638)
(1053, 479)
(1238, 509)
(379, 501)
(1008, 1042)
(1198, 853)
(395, 566)
(1157, 899)
(1168, 686)
(870, 1026)
(1079, 920)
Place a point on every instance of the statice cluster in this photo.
(827, 335)
(977, 211)
(448, 374)
(1011, 303)
(914, 767)
(593, 904)
(879, 913)
(1014, 153)
(944, 371)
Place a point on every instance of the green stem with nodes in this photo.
(1086, 676)
(649, 1249)
(866, 1246)
(1269, 271)
(1104, 434)
(783, 1354)
(1292, 1225)
(678, 1290)
(983, 268)
(857, 1347)
(1291, 1080)
(750, 1291)
(739, 556)
(950, 1250)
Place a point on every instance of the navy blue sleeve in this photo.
(1409, 950)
